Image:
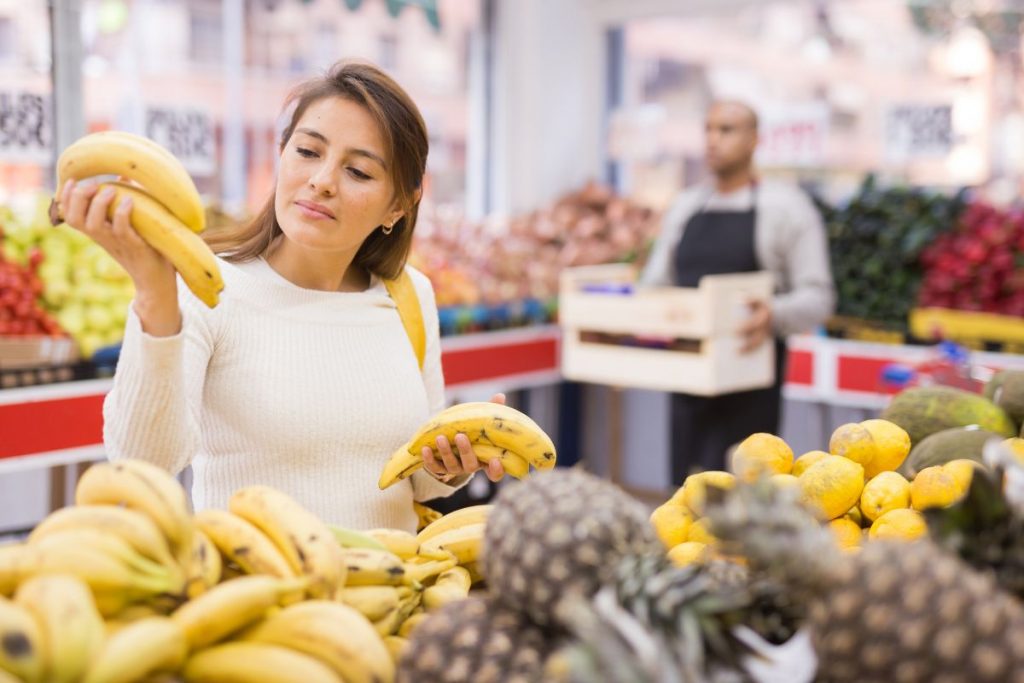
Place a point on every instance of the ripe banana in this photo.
(135, 528)
(474, 514)
(244, 662)
(421, 569)
(333, 633)
(21, 643)
(396, 646)
(399, 542)
(303, 539)
(227, 607)
(140, 486)
(148, 646)
(205, 565)
(243, 543)
(424, 515)
(373, 602)
(365, 567)
(72, 630)
(407, 627)
(513, 464)
(490, 424)
(16, 562)
(451, 586)
(141, 160)
(351, 538)
(464, 542)
(392, 621)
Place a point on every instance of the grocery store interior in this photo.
(883, 198)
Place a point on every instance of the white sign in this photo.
(793, 135)
(26, 127)
(914, 132)
(187, 134)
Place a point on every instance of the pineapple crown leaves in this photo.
(771, 528)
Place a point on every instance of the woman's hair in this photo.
(405, 139)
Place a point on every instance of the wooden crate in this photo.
(36, 352)
(661, 338)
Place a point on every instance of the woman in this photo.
(303, 376)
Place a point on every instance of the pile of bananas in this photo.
(128, 585)
(167, 211)
(494, 430)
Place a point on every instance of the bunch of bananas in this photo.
(167, 211)
(128, 585)
(494, 430)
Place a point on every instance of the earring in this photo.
(386, 229)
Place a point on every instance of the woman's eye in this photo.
(303, 152)
(358, 174)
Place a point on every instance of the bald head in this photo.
(731, 136)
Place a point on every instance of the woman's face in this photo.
(334, 186)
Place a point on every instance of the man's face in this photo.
(731, 137)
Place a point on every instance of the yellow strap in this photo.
(403, 293)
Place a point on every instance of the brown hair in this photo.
(405, 139)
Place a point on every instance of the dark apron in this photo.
(704, 428)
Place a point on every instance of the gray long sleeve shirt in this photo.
(790, 242)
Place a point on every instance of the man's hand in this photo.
(451, 465)
(758, 327)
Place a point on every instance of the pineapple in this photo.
(985, 530)
(475, 641)
(559, 535)
(894, 612)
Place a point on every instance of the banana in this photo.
(147, 646)
(72, 630)
(407, 627)
(396, 646)
(10, 678)
(474, 514)
(393, 620)
(135, 528)
(141, 160)
(245, 662)
(464, 542)
(373, 602)
(130, 615)
(490, 424)
(140, 486)
(16, 563)
(243, 543)
(424, 515)
(205, 565)
(451, 586)
(513, 464)
(304, 541)
(333, 633)
(399, 542)
(117, 548)
(20, 643)
(351, 538)
(476, 574)
(227, 607)
(186, 251)
(365, 567)
(421, 569)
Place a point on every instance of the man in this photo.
(739, 223)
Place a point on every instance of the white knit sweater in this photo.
(307, 391)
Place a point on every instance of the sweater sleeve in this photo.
(152, 412)
(809, 298)
(424, 485)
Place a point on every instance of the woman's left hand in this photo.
(451, 465)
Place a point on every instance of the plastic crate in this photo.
(661, 338)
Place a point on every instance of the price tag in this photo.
(918, 132)
(26, 127)
(188, 134)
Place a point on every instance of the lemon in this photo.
(695, 486)
(855, 442)
(892, 445)
(847, 533)
(854, 515)
(801, 464)
(903, 524)
(699, 533)
(938, 486)
(884, 492)
(832, 486)
(785, 481)
(761, 454)
(671, 522)
(688, 553)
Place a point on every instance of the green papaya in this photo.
(949, 444)
(1006, 390)
(922, 411)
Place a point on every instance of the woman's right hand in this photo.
(85, 207)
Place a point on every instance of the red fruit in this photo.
(16, 327)
(35, 257)
(975, 252)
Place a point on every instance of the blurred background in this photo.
(560, 132)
